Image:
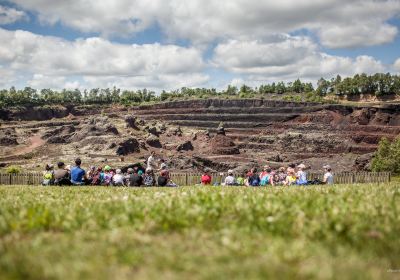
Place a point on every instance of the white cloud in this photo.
(290, 58)
(363, 22)
(46, 57)
(10, 15)
(396, 65)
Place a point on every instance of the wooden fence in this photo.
(190, 179)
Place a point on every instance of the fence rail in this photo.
(190, 179)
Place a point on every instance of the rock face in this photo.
(281, 132)
(131, 122)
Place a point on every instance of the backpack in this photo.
(162, 181)
(254, 181)
(148, 180)
(265, 180)
(48, 178)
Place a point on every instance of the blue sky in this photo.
(167, 45)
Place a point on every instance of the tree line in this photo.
(377, 84)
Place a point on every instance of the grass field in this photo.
(340, 232)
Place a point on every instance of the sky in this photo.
(158, 44)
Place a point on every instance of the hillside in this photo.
(185, 132)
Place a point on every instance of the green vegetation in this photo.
(387, 157)
(339, 232)
(12, 169)
(378, 84)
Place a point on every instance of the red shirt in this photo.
(205, 179)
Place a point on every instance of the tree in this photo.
(387, 157)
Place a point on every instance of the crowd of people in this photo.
(156, 173)
(291, 175)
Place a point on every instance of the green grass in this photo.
(340, 232)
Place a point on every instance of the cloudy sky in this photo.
(161, 44)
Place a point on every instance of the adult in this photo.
(230, 179)
(206, 178)
(163, 164)
(61, 175)
(301, 175)
(118, 179)
(78, 175)
(135, 180)
(328, 176)
(48, 175)
(151, 161)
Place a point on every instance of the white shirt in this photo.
(230, 180)
(328, 178)
(151, 162)
(118, 179)
(302, 177)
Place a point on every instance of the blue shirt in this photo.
(77, 174)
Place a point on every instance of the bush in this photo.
(387, 157)
(13, 169)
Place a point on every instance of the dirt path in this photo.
(35, 142)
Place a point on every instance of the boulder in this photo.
(186, 146)
(153, 141)
(128, 146)
(130, 122)
(223, 145)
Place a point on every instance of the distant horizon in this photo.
(167, 45)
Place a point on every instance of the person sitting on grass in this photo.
(107, 176)
(135, 180)
(280, 176)
(230, 179)
(163, 178)
(98, 177)
(148, 178)
(48, 175)
(328, 177)
(78, 175)
(61, 175)
(241, 179)
(206, 178)
(290, 178)
(266, 177)
(254, 178)
(301, 175)
(118, 179)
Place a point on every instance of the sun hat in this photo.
(107, 168)
(327, 166)
(140, 172)
(118, 171)
(149, 169)
(230, 171)
(130, 170)
(302, 166)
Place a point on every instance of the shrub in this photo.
(12, 169)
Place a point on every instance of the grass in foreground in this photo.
(342, 232)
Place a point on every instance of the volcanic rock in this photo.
(153, 141)
(186, 146)
(223, 145)
(128, 146)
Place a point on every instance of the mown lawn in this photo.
(340, 232)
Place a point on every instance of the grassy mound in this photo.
(200, 233)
